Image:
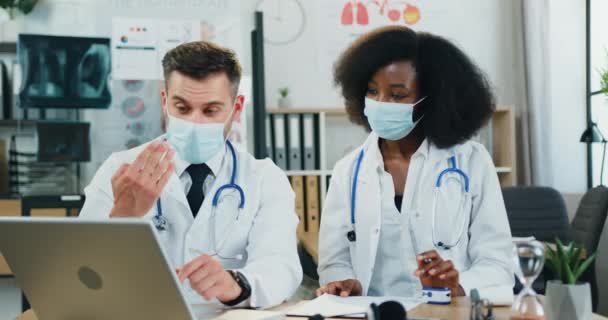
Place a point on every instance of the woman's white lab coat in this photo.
(483, 254)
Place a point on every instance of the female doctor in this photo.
(419, 203)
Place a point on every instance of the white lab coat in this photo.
(483, 255)
(265, 233)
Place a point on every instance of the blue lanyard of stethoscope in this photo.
(461, 208)
(352, 235)
(232, 184)
(160, 221)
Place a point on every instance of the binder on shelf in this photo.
(269, 138)
(297, 183)
(328, 177)
(5, 93)
(280, 147)
(309, 145)
(294, 162)
(312, 204)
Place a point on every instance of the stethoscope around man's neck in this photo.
(160, 220)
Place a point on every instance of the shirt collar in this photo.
(373, 148)
(427, 150)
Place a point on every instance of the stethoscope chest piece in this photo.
(160, 222)
(351, 236)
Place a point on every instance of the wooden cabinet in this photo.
(8, 208)
(504, 152)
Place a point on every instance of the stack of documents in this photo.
(353, 307)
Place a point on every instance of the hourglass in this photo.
(529, 261)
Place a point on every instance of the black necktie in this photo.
(198, 173)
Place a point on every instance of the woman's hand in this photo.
(344, 288)
(435, 272)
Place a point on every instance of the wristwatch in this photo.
(245, 288)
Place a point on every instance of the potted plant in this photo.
(566, 297)
(10, 27)
(284, 101)
(604, 81)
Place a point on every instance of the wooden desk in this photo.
(458, 310)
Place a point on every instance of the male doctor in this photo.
(244, 257)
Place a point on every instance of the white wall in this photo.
(567, 70)
(489, 31)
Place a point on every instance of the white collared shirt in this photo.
(214, 164)
(393, 268)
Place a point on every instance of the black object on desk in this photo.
(388, 310)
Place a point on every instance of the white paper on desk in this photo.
(523, 239)
(497, 295)
(239, 314)
(333, 306)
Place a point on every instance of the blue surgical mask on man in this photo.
(389, 120)
(195, 143)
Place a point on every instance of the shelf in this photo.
(8, 47)
(329, 111)
(17, 123)
(341, 110)
(308, 173)
(500, 109)
(503, 170)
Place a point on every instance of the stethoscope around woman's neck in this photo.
(452, 168)
(160, 220)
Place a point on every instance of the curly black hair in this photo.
(458, 101)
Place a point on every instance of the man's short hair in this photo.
(201, 59)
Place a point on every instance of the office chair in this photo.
(540, 212)
(587, 227)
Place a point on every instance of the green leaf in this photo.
(561, 254)
(576, 258)
(551, 265)
(26, 6)
(569, 274)
(566, 273)
(584, 267)
(553, 255)
(604, 79)
(6, 3)
(570, 251)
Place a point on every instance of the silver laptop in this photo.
(81, 269)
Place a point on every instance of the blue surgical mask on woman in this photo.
(195, 143)
(389, 120)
